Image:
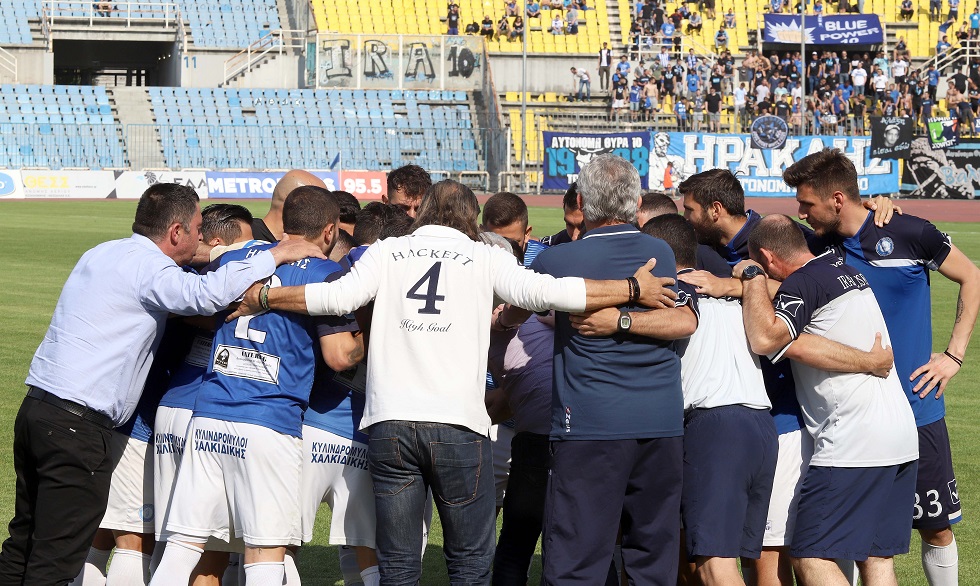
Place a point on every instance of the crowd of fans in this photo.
(564, 15)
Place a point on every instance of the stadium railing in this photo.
(276, 41)
(219, 146)
(95, 11)
(55, 146)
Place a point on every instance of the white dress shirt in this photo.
(111, 314)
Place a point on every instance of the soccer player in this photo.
(349, 206)
(521, 363)
(335, 467)
(248, 419)
(714, 203)
(406, 186)
(653, 205)
(269, 227)
(574, 226)
(434, 291)
(896, 259)
(861, 477)
(506, 214)
(226, 228)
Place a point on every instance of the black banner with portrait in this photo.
(891, 137)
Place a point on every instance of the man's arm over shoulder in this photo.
(164, 285)
(353, 290)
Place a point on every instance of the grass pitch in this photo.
(41, 241)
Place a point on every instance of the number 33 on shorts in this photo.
(930, 505)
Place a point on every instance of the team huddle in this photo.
(713, 397)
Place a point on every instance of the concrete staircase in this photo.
(139, 133)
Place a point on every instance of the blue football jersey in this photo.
(896, 260)
(337, 400)
(261, 367)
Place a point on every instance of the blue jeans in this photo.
(587, 86)
(406, 459)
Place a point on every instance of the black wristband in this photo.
(958, 361)
(634, 289)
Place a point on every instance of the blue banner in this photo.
(837, 29)
(566, 153)
(255, 185)
(761, 171)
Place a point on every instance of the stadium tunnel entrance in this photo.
(114, 63)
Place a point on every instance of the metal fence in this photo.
(61, 145)
(466, 152)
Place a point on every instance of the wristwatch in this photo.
(751, 272)
(625, 321)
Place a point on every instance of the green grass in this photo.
(41, 241)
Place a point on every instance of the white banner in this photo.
(68, 184)
(132, 184)
(10, 185)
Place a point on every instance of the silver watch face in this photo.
(625, 321)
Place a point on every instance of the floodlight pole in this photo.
(524, 101)
(804, 78)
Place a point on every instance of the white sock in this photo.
(941, 564)
(265, 574)
(292, 572)
(177, 564)
(93, 572)
(371, 576)
(348, 566)
(128, 568)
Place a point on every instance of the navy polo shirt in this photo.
(620, 386)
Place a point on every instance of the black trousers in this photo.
(63, 467)
(598, 486)
(523, 512)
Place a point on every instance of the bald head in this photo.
(289, 182)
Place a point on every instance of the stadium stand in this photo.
(14, 26)
(307, 128)
(412, 17)
(229, 23)
(58, 126)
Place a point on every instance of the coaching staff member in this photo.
(88, 373)
(617, 407)
(428, 423)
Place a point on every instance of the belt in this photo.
(100, 419)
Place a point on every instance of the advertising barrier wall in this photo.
(566, 153)
(761, 171)
(68, 184)
(10, 185)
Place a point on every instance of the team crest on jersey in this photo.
(954, 493)
(789, 304)
(885, 246)
(221, 360)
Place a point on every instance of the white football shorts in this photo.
(335, 471)
(238, 480)
(130, 505)
(795, 451)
